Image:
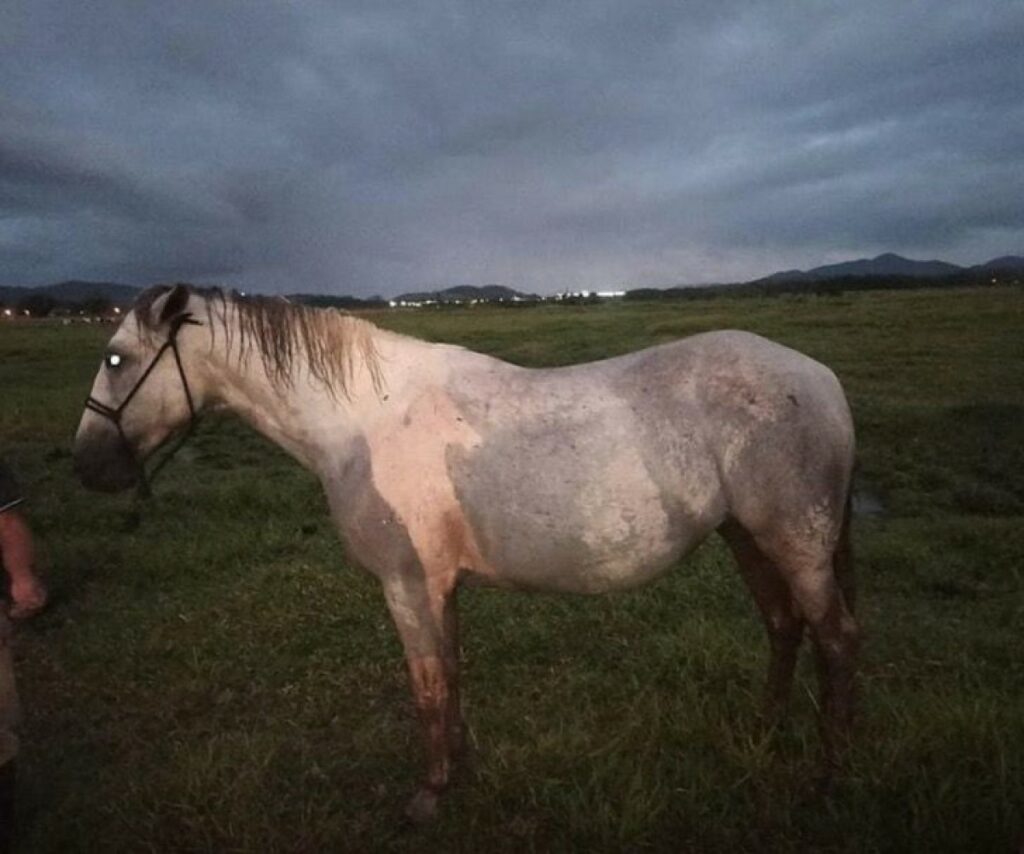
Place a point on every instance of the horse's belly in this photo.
(595, 528)
(553, 564)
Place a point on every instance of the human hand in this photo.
(28, 598)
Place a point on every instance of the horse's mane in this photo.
(286, 335)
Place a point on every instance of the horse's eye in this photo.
(114, 360)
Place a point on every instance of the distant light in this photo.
(8, 312)
(117, 310)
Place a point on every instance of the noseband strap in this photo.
(115, 413)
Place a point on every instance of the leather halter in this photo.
(114, 413)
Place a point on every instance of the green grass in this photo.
(214, 676)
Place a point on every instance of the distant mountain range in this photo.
(465, 293)
(870, 270)
(894, 266)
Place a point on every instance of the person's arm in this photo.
(27, 593)
(17, 550)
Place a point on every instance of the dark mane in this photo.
(325, 341)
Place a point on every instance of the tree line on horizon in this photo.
(39, 303)
(824, 287)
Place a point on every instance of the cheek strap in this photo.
(115, 413)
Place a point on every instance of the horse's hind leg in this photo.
(782, 619)
(808, 567)
(836, 641)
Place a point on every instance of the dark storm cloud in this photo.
(367, 147)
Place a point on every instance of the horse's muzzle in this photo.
(103, 463)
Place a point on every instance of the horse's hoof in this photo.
(422, 807)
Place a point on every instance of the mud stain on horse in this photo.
(410, 473)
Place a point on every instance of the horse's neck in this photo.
(304, 417)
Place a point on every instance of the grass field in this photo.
(214, 676)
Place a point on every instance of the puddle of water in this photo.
(866, 503)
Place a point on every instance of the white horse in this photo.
(444, 466)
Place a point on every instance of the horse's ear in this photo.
(169, 305)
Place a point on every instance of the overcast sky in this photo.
(376, 147)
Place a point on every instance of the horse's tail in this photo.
(842, 558)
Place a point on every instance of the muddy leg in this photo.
(837, 642)
(429, 688)
(424, 624)
(782, 619)
(456, 724)
(836, 639)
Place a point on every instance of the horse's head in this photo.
(143, 394)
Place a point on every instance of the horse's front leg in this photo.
(426, 623)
